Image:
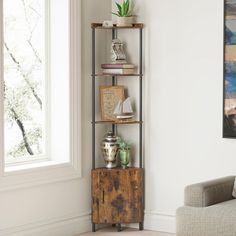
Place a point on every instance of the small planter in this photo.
(125, 21)
(124, 158)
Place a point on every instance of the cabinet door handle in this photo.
(103, 196)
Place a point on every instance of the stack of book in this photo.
(118, 69)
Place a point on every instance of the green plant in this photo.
(123, 9)
(123, 145)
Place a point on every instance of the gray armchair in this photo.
(209, 209)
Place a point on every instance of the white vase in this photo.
(125, 21)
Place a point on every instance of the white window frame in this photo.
(48, 171)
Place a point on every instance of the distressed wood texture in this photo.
(117, 196)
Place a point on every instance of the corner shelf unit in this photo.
(114, 32)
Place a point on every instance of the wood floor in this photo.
(125, 232)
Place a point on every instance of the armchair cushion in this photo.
(215, 220)
(210, 192)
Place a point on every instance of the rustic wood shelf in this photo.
(116, 168)
(119, 122)
(99, 26)
(117, 75)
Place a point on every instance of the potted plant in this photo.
(124, 13)
(124, 153)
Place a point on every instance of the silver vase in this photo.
(109, 148)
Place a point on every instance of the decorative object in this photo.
(117, 52)
(124, 153)
(125, 21)
(229, 108)
(124, 158)
(124, 110)
(107, 24)
(109, 98)
(124, 14)
(120, 71)
(117, 66)
(110, 147)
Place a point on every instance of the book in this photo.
(119, 71)
(118, 66)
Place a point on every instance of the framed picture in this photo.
(109, 98)
(229, 85)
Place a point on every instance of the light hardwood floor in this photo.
(125, 232)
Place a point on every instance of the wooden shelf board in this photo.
(115, 169)
(119, 122)
(135, 26)
(106, 75)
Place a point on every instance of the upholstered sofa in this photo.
(209, 209)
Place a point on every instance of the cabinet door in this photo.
(118, 196)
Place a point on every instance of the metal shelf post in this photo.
(140, 98)
(114, 80)
(93, 106)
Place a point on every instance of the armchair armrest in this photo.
(209, 193)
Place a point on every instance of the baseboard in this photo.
(71, 225)
(63, 226)
(159, 222)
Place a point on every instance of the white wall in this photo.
(183, 110)
(183, 102)
(62, 208)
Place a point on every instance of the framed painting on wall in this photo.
(229, 85)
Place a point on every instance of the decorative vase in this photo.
(125, 21)
(110, 148)
(124, 158)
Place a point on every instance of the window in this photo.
(24, 80)
(40, 91)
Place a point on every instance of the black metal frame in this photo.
(114, 82)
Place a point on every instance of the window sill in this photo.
(31, 175)
(29, 166)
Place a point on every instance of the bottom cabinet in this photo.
(117, 196)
